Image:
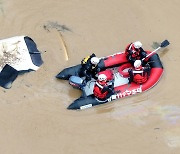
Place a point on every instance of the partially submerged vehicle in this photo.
(116, 69)
(18, 55)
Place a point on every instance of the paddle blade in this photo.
(165, 43)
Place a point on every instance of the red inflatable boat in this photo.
(114, 66)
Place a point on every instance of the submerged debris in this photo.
(59, 28)
(155, 45)
(56, 25)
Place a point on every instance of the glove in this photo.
(130, 80)
(104, 89)
(98, 70)
(143, 54)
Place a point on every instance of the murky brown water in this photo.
(33, 114)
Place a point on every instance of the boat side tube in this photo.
(156, 72)
(155, 62)
(66, 73)
(115, 60)
(85, 102)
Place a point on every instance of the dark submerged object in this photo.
(9, 73)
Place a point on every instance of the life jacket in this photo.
(98, 90)
(140, 76)
(131, 50)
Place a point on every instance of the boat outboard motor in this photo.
(76, 82)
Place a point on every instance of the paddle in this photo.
(164, 44)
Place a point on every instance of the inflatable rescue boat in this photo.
(115, 67)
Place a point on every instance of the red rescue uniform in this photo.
(133, 54)
(140, 76)
(130, 49)
(98, 90)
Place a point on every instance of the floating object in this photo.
(18, 55)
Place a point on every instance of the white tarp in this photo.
(14, 52)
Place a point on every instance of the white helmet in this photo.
(102, 77)
(95, 60)
(137, 63)
(137, 44)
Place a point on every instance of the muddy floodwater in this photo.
(33, 114)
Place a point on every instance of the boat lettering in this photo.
(129, 92)
(86, 106)
(126, 93)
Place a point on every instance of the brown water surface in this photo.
(33, 114)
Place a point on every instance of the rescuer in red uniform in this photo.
(139, 74)
(134, 51)
(102, 90)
